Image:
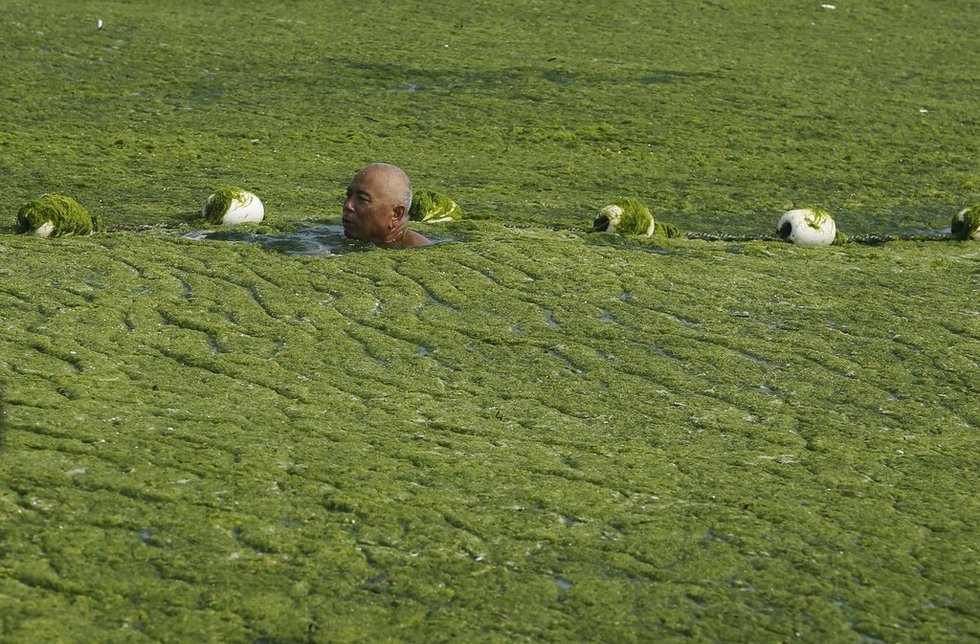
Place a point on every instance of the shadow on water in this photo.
(319, 240)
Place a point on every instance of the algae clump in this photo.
(966, 224)
(220, 201)
(631, 216)
(665, 229)
(433, 207)
(628, 216)
(54, 215)
(817, 218)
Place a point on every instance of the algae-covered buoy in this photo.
(627, 216)
(53, 215)
(229, 205)
(433, 207)
(966, 224)
(807, 227)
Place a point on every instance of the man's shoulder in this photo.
(413, 238)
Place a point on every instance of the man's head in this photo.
(377, 204)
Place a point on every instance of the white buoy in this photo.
(232, 206)
(45, 229)
(807, 227)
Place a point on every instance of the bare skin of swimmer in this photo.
(376, 208)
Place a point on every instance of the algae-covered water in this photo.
(526, 431)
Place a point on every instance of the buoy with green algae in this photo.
(808, 227)
(433, 207)
(230, 205)
(54, 215)
(966, 224)
(630, 216)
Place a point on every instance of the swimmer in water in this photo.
(377, 205)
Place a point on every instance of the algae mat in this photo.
(526, 432)
(520, 434)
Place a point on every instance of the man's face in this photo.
(368, 209)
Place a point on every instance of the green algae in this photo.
(631, 216)
(666, 229)
(519, 433)
(55, 216)
(529, 433)
(218, 203)
(628, 216)
(966, 223)
(716, 136)
(816, 218)
(430, 206)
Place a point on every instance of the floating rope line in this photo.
(869, 239)
(129, 228)
(732, 237)
(872, 239)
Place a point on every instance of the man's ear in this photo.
(400, 212)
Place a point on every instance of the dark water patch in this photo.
(216, 348)
(187, 289)
(320, 240)
(382, 362)
(549, 317)
(566, 360)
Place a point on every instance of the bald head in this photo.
(392, 180)
(377, 205)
